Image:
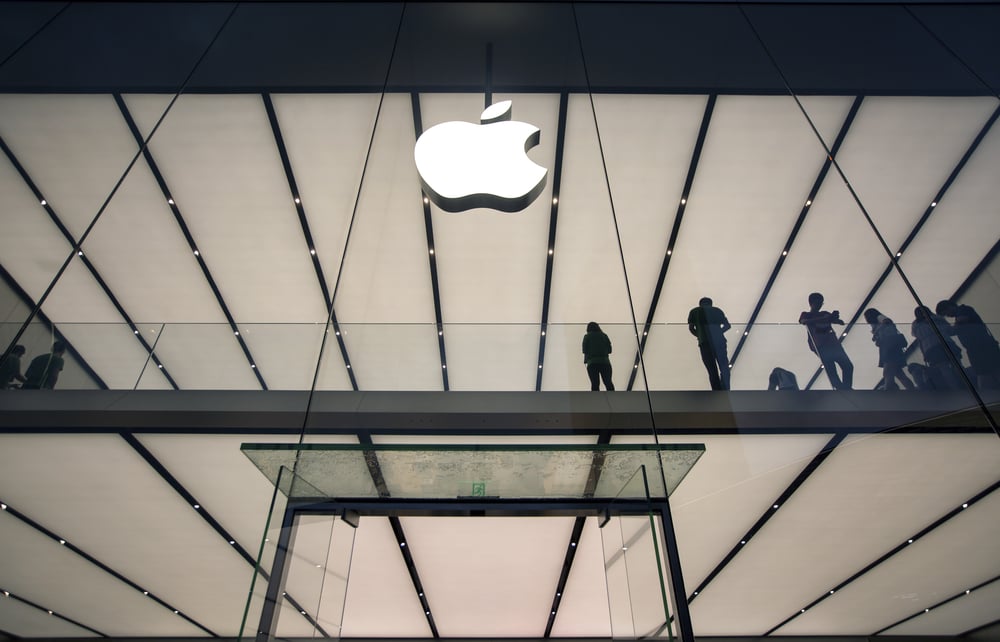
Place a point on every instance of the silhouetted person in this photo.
(10, 369)
(781, 379)
(942, 373)
(596, 348)
(43, 371)
(979, 343)
(891, 346)
(823, 341)
(708, 323)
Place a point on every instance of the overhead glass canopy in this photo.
(469, 471)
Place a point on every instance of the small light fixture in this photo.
(160, 366)
(624, 548)
(784, 253)
(831, 591)
(197, 506)
(669, 252)
(232, 542)
(145, 592)
(236, 332)
(808, 203)
(909, 541)
(337, 333)
(927, 610)
(553, 612)
(444, 365)
(742, 542)
(402, 543)
(899, 254)
(696, 592)
(775, 507)
(573, 544)
(427, 612)
(963, 506)
(967, 591)
(44, 202)
(802, 611)
(297, 201)
(312, 251)
(555, 200)
(135, 332)
(432, 250)
(543, 333)
(746, 333)
(253, 366)
(426, 201)
(550, 251)
(684, 201)
(170, 201)
(50, 612)
(80, 253)
(934, 204)
(62, 541)
(348, 366)
(539, 366)
(176, 612)
(440, 333)
(319, 566)
(3, 506)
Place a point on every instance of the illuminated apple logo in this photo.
(463, 165)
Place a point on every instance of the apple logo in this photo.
(464, 166)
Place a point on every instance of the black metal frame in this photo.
(479, 507)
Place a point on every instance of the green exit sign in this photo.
(479, 489)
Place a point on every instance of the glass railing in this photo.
(480, 357)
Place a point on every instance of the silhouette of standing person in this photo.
(979, 343)
(596, 348)
(891, 345)
(10, 369)
(708, 323)
(823, 341)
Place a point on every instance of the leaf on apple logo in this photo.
(496, 113)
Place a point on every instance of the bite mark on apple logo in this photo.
(463, 165)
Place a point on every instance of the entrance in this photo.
(324, 491)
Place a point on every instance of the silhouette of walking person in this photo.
(978, 341)
(942, 372)
(596, 348)
(43, 371)
(891, 345)
(823, 341)
(10, 368)
(708, 323)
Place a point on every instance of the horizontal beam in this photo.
(477, 413)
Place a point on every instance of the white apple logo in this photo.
(463, 165)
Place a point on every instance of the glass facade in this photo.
(213, 210)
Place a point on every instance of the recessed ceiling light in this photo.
(684, 201)
(934, 204)
(170, 201)
(297, 201)
(963, 506)
(43, 202)
(555, 201)
(808, 203)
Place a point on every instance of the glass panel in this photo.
(454, 471)
(637, 594)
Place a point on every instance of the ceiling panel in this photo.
(648, 143)
(327, 138)
(20, 619)
(141, 253)
(380, 584)
(201, 356)
(386, 277)
(74, 147)
(734, 482)
(588, 281)
(218, 157)
(963, 228)
(493, 576)
(285, 354)
(850, 511)
(960, 615)
(961, 554)
(583, 606)
(759, 160)
(97, 492)
(402, 356)
(901, 150)
(510, 350)
(51, 575)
